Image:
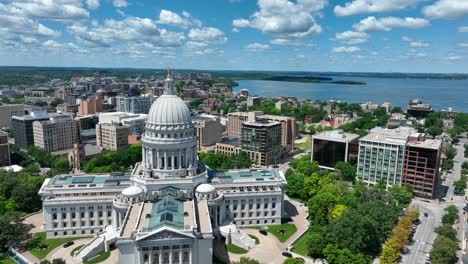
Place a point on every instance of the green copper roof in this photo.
(168, 210)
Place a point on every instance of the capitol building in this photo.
(170, 208)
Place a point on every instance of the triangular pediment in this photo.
(165, 232)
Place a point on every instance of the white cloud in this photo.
(289, 42)
(16, 28)
(453, 57)
(92, 4)
(283, 18)
(343, 49)
(373, 6)
(257, 47)
(352, 37)
(388, 23)
(463, 29)
(57, 10)
(51, 44)
(235, 30)
(415, 54)
(463, 44)
(415, 44)
(208, 35)
(167, 17)
(195, 45)
(130, 30)
(120, 3)
(447, 9)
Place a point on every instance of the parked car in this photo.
(417, 221)
(404, 250)
(263, 232)
(426, 214)
(70, 243)
(287, 254)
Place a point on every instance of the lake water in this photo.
(441, 94)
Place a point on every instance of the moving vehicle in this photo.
(263, 232)
(287, 254)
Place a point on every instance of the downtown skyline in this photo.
(301, 35)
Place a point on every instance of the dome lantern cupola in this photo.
(169, 141)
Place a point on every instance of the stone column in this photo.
(165, 160)
(158, 161)
(160, 255)
(190, 255)
(180, 255)
(180, 159)
(173, 160)
(150, 257)
(171, 250)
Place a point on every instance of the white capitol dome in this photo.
(169, 141)
(169, 109)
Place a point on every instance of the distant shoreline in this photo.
(310, 79)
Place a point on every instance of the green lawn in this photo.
(275, 230)
(5, 259)
(235, 249)
(257, 241)
(307, 145)
(99, 258)
(39, 241)
(76, 250)
(300, 247)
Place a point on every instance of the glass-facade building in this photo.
(331, 147)
(381, 158)
(264, 138)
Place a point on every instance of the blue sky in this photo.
(309, 35)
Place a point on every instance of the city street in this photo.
(424, 236)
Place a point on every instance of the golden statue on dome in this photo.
(168, 72)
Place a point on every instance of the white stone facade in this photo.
(170, 207)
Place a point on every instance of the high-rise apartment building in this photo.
(209, 130)
(330, 147)
(261, 138)
(8, 111)
(133, 104)
(58, 133)
(90, 106)
(112, 136)
(381, 155)
(422, 165)
(23, 128)
(288, 126)
(4, 149)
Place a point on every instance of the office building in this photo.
(416, 108)
(381, 155)
(164, 211)
(136, 122)
(288, 126)
(112, 136)
(261, 138)
(330, 147)
(133, 104)
(209, 130)
(23, 128)
(422, 165)
(58, 133)
(244, 92)
(4, 149)
(8, 111)
(90, 106)
(253, 100)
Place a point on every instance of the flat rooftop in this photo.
(89, 178)
(427, 144)
(253, 175)
(391, 136)
(336, 135)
